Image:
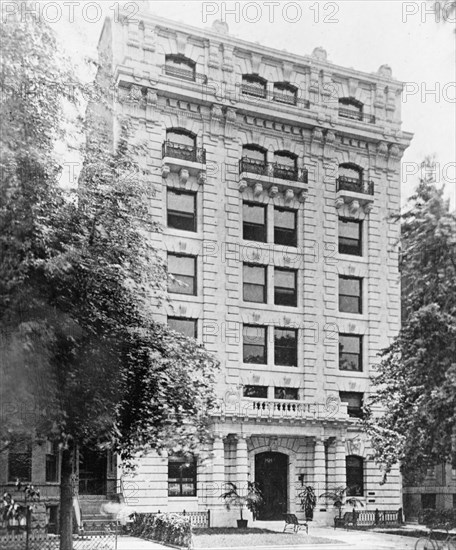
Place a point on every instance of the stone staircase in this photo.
(96, 522)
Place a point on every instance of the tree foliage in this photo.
(416, 383)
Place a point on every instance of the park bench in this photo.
(347, 520)
(292, 521)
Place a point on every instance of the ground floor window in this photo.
(355, 475)
(428, 501)
(52, 513)
(182, 477)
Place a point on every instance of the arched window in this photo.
(253, 159)
(285, 165)
(350, 177)
(180, 66)
(253, 85)
(180, 144)
(354, 468)
(350, 108)
(285, 93)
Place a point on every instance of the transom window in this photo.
(181, 477)
(285, 347)
(285, 230)
(20, 458)
(187, 327)
(183, 269)
(350, 352)
(285, 93)
(354, 467)
(180, 66)
(350, 294)
(181, 210)
(254, 344)
(254, 283)
(350, 237)
(254, 222)
(253, 85)
(354, 402)
(286, 393)
(255, 391)
(285, 288)
(350, 108)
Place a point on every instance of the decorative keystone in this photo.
(165, 171)
(183, 175)
(258, 189)
(289, 195)
(354, 206)
(274, 191)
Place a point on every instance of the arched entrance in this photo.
(271, 475)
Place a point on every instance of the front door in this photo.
(92, 472)
(271, 475)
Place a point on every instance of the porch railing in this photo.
(183, 152)
(372, 518)
(356, 185)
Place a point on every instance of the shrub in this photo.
(169, 528)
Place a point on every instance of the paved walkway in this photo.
(133, 543)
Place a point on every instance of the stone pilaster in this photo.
(242, 463)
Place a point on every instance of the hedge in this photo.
(168, 528)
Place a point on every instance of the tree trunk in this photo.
(66, 500)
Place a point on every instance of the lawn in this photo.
(241, 538)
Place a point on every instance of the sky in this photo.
(362, 34)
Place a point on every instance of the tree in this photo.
(78, 276)
(416, 383)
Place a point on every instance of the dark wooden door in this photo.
(92, 472)
(271, 475)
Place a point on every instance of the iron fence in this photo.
(45, 541)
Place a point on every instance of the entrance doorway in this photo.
(92, 472)
(271, 475)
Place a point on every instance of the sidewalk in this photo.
(133, 543)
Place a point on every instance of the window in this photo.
(354, 468)
(428, 501)
(351, 172)
(20, 458)
(183, 269)
(180, 67)
(181, 477)
(285, 292)
(187, 327)
(286, 347)
(181, 144)
(52, 461)
(52, 516)
(350, 294)
(181, 210)
(354, 401)
(253, 160)
(285, 231)
(350, 241)
(254, 344)
(286, 393)
(350, 108)
(253, 85)
(285, 165)
(350, 352)
(254, 284)
(285, 93)
(254, 222)
(256, 391)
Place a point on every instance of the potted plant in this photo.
(340, 498)
(252, 499)
(308, 501)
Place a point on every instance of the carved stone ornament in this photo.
(183, 175)
(165, 171)
(242, 186)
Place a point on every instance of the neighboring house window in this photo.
(180, 66)
(350, 241)
(187, 327)
(285, 347)
(286, 393)
(254, 344)
(354, 468)
(181, 210)
(350, 108)
(428, 501)
(181, 477)
(285, 288)
(254, 283)
(253, 85)
(350, 352)
(285, 93)
(354, 402)
(285, 230)
(255, 391)
(20, 458)
(350, 294)
(52, 461)
(183, 269)
(52, 516)
(254, 222)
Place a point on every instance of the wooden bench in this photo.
(347, 520)
(292, 521)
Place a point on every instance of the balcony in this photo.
(184, 74)
(184, 159)
(253, 90)
(354, 191)
(183, 152)
(356, 115)
(273, 170)
(256, 92)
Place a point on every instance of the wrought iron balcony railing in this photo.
(185, 74)
(354, 115)
(280, 97)
(356, 185)
(251, 89)
(273, 169)
(183, 152)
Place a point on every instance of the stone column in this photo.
(218, 470)
(340, 475)
(242, 464)
(319, 466)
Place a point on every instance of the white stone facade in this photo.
(314, 432)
